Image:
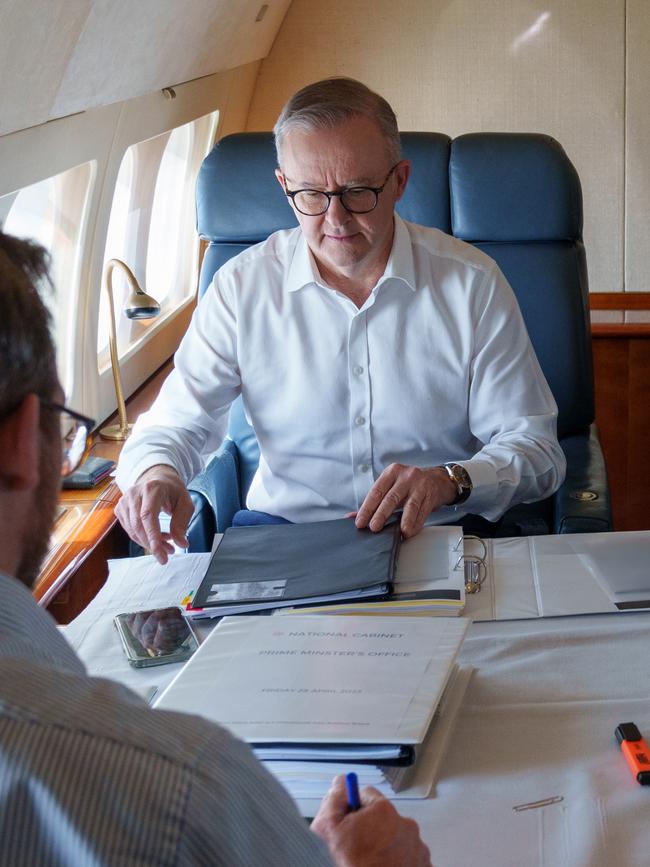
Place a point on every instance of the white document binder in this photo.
(553, 576)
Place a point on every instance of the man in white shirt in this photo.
(89, 774)
(384, 366)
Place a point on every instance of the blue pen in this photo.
(352, 785)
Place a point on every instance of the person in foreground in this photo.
(89, 774)
(384, 366)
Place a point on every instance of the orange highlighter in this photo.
(635, 750)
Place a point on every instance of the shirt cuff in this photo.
(485, 485)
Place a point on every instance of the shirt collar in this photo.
(400, 265)
(304, 272)
(28, 632)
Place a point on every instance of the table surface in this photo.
(537, 721)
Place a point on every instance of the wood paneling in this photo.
(619, 301)
(621, 354)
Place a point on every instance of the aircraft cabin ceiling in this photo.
(58, 57)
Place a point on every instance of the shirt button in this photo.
(364, 468)
(357, 370)
(359, 420)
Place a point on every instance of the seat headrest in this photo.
(426, 198)
(513, 187)
(255, 206)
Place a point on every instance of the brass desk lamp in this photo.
(138, 305)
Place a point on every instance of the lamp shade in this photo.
(139, 305)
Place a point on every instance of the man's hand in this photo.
(158, 489)
(374, 836)
(416, 491)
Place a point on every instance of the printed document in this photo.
(320, 678)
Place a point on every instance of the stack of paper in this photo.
(319, 695)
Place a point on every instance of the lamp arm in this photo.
(123, 428)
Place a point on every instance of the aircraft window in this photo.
(152, 227)
(167, 263)
(52, 212)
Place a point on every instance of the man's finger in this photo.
(376, 495)
(155, 542)
(414, 515)
(368, 795)
(334, 806)
(129, 518)
(370, 505)
(181, 517)
(391, 502)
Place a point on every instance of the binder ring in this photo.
(475, 566)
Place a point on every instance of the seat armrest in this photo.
(201, 529)
(576, 509)
(216, 490)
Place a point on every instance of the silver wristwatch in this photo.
(461, 478)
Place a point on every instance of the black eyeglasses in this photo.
(355, 200)
(75, 436)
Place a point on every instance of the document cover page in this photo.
(320, 678)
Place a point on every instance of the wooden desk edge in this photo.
(65, 558)
(98, 520)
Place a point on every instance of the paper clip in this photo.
(533, 805)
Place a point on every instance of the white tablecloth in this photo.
(537, 721)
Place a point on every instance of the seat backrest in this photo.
(518, 197)
(238, 199)
(515, 195)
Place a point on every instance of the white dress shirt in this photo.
(90, 776)
(436, 366)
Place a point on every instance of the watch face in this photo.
(461, 476)
(463, 481)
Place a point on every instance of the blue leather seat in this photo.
(516, 196)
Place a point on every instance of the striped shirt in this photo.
(90, 775)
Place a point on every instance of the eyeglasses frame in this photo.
(85, 420)
(291, 194)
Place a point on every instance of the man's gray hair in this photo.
(27, 354)
(327, 103)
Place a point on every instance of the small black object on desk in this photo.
(90, 473)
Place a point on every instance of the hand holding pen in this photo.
(352, 788)
(375, 835)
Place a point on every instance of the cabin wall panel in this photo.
(36, 42)
(637, 147)
(517, 65)
(58, 57)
